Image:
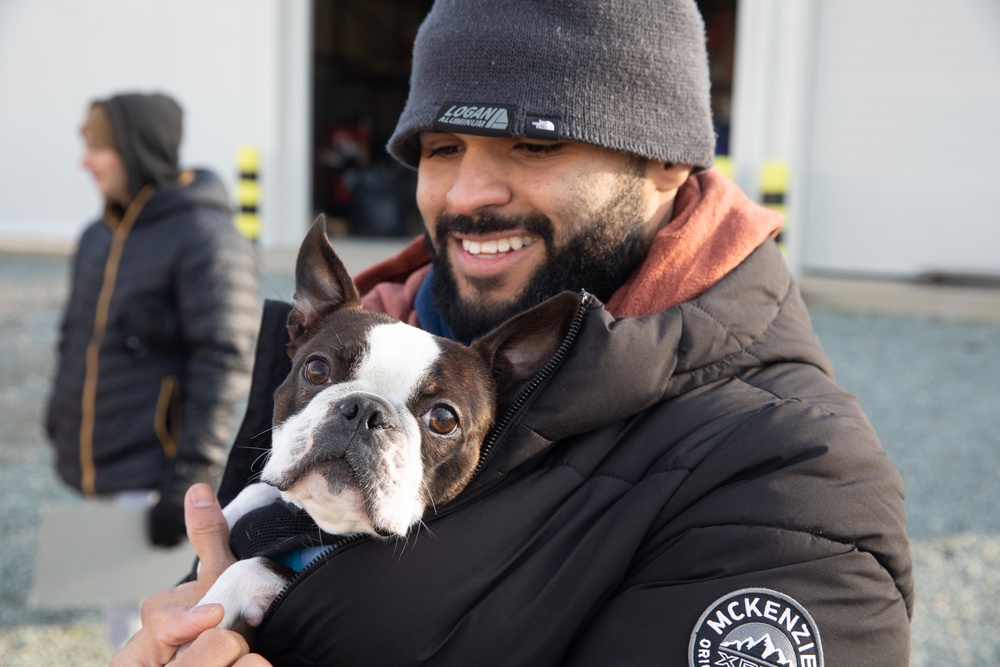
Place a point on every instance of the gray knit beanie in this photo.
(627, 75)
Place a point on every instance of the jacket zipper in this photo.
(550, 366)
(314, 562)
(488, 444)
(120, 229)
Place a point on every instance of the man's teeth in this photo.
(497, 245)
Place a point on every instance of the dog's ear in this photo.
(521, 346)
(322, 283)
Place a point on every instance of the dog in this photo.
(378, 421)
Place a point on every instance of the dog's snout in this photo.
(365, 413)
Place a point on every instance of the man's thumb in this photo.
(208, 532)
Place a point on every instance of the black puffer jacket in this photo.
(689, 487)
(156, 341)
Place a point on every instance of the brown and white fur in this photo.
(378, 422)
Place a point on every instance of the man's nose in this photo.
(480, 182)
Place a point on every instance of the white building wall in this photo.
(904, 157)
(225, 61)
(887, 113)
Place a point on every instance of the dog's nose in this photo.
(365, 413)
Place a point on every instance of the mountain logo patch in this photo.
(755, 627)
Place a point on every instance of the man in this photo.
(688, 486)
(159, 327)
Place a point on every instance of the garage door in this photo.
(904, 143)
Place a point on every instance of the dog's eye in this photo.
(316, 371)
(442, 420)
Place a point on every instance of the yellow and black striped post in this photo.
(774, 189)
(248, 193)
(724, 164)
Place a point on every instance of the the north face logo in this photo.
(542, 128)
(490, 119)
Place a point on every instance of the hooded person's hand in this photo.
(166, 519)
(170, 618)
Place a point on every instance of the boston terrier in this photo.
(378, 422)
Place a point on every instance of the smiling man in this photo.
(684, 484)
(512, 222)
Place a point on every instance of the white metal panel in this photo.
(904, 157)
(223, 61)
(774, 47)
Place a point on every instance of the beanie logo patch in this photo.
(537, 127)
(492, 120)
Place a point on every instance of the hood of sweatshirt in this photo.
(147, 131)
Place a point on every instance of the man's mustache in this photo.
(491, 222)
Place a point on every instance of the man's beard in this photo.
(611, 243)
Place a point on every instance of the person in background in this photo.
(157, 337)
(687, 485)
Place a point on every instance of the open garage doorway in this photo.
(363, 51)
(720, 33)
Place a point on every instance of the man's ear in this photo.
(322, 283)
(520, 347)
(667, 176)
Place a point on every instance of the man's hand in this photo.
(169, 620)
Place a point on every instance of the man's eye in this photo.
(316, 371)
(441, 151)
(539, 149)
(442, 420)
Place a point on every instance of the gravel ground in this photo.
(929, 385)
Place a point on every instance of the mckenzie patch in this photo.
(755, 627)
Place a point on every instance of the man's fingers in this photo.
(208, 532)
(168, 623)
(179, 625)
(214, 648)
(164, 630)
